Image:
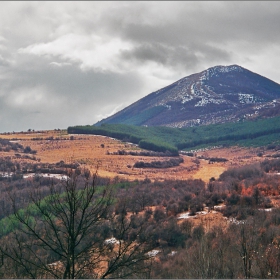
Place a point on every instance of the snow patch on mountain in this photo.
(186, 98)
(195, 86)
(217, 95)
(205, 101)
(246, 98)
(213, 71)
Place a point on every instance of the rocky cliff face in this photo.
(217, 95)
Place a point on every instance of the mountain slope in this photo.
(217, 95)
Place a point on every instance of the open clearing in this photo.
(90, 151)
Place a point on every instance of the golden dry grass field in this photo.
(90, 150)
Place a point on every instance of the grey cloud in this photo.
(59, 64)
(70, 96)
(147, 52)
(182, 57)
(211, 33)
(179, 37)
(212, 22)
(168, 56)
(3, 61)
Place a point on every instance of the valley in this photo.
(209, 197)
(91, 150)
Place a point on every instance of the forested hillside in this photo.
(248, 133)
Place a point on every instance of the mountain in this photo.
(217, 95)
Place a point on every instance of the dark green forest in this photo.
(246, 133)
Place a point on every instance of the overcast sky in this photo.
(74, 63)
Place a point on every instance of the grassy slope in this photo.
(249, 133)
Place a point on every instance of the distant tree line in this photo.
(141, 153)
(159, 164)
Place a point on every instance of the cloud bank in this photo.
(70, 63)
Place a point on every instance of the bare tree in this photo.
(63, 235)
(247, 245)
(129, 257)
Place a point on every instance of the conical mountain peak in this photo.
(216, 95)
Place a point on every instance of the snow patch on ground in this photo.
(172, 253)
(153, 253)
(30, 175)
(56, 176)
(235, 221)
(187, 215)
(112, 240)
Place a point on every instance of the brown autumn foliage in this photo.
(231, 227)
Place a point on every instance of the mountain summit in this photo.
(217, 95)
